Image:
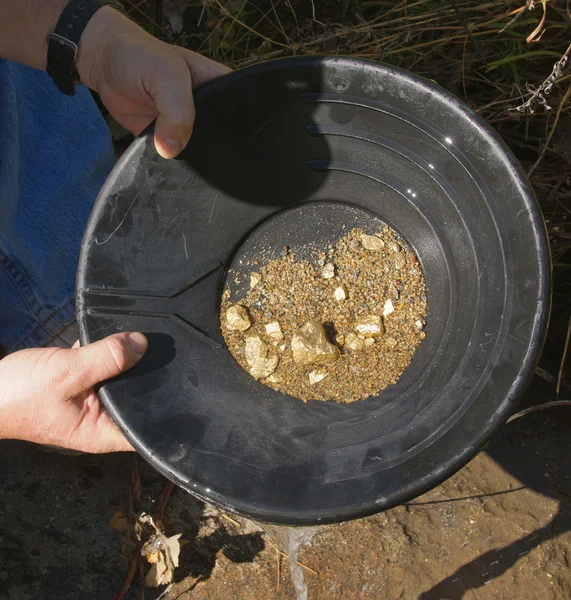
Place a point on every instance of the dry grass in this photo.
(508, 60)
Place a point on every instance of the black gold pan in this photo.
(273, 144)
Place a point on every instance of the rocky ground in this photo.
(500, 528)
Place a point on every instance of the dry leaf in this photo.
(119, 522)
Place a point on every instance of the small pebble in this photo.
(391, 342)
(388, 308)
(340, 293)
(255, 278)
(372, 242)
(316, 376)
(328, 271)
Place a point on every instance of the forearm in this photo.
(25, 25)
(23, 29)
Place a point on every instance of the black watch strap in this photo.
(63, 41)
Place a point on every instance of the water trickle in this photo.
(290, 540)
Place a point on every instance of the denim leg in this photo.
(55, 154)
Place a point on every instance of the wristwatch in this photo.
(63, 41)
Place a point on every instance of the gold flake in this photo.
(328, 271)
(316, 376)
(372, 242)
(274, 331)
(391, 342)
(255, 278)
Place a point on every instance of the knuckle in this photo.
(70, 379)
(116, 356)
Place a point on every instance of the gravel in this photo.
(382, 304)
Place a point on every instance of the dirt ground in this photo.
(500, 528)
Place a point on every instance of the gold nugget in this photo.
(261, 365)
(310, 345)
(237, 318)
(354, 342)
(274, 331)
(370, 326)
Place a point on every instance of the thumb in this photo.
(104, 359)
(175, 107)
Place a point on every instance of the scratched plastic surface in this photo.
(293, 137)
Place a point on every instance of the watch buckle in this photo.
(63, 42)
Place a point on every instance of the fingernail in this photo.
(138, 342)
(172, 145)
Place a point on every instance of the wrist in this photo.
(104, 25)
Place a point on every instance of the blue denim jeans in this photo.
(55, 153)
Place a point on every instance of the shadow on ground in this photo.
(497, 529)
(56, 542)
(536, 453)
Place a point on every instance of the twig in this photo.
(279, 569)
(544, 374)
(128, 580)
(518, 13)
(135, 489)
(531, 409)
(233, 521)
(201, 15)
(160, 512)
(141, 576)
(169, 588)
(545, 87)
(288, 4)
(469, 33)
(544, 149)
(152, 21)
(560, 376)
(280, 23)
(286, 556)
(241, 23)
(533, 35)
